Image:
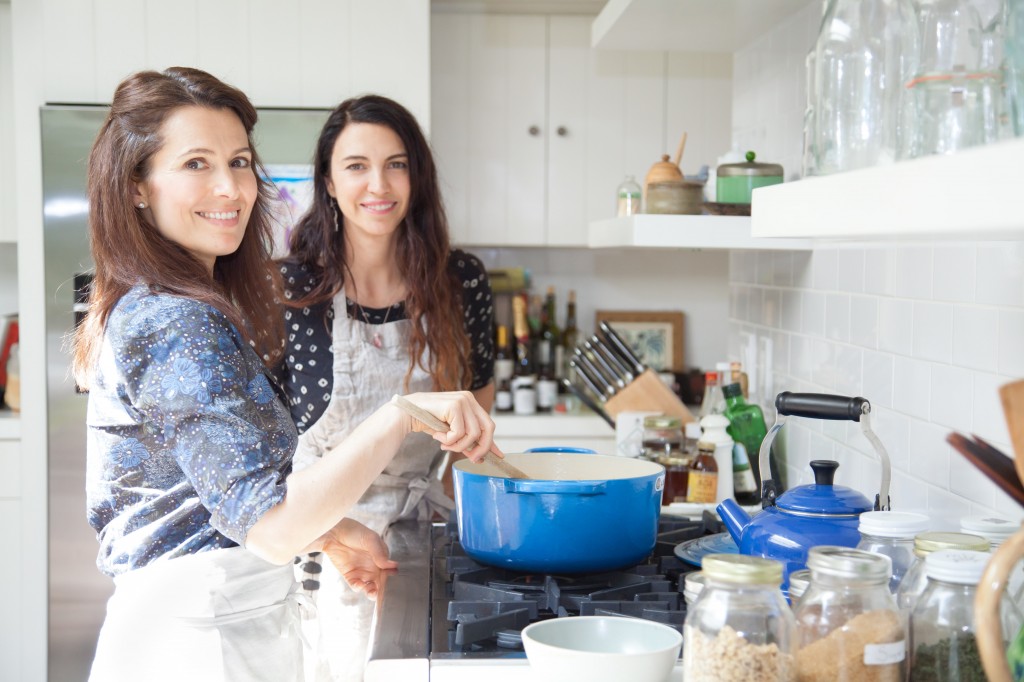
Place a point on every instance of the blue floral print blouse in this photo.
(189, 443)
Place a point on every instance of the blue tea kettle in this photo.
(809, 515)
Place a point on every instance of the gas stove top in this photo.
(442, 608)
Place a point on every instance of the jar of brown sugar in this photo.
(848, 625)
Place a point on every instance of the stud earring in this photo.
(142, 204)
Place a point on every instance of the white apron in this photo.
(366, 377)
(216, 616)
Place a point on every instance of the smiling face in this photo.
(201, 187)
(369, 178)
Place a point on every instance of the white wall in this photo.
(926, 331)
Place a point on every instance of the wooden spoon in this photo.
(679, 151)
(1012, 397)
(433, 422)
(990, 461)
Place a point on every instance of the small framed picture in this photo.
(656, 337)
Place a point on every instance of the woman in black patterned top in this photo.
(379, 303)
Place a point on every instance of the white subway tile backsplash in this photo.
(850, 270)
(792, 313)
(878, 378)
(823, 265)
(946, 509)
(880, 271)
(896, 326)
(1001, 273)
(952, 397)
(911, 386)
(800, 357)
(955, 272)
(864, 321)
(813, 313)
(976, 337)
(823, 365)
(1011, 342)
(906, 493)
(989, 422)
(837, 317)
(782, 268)
(913, 278)
(849, 370)
(933, 331)
(771, 308)
(929, 452)
(893, 429)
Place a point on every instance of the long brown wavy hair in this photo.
(127, 250)
(434, 303)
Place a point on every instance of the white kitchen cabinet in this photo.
(308, 53)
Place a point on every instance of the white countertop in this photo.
(565, 425)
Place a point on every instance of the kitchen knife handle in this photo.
(620, 367)
(623, 348)
(587, 379)
(589, 369)
(606, 368)
(587, 400)
(821, 406)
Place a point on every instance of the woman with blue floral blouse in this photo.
(190, 483)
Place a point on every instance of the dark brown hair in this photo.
(433, 303)
(127, 250)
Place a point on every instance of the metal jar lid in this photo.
(742, 569)
(749, 168)
(844, 562)
(926, 543)
(662, 421)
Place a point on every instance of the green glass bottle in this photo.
(747, 428)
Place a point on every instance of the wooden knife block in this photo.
(647, 392)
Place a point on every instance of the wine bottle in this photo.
(524, 394)
(503, 355)
(570, 335)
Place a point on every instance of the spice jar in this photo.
(915, 579)
(740, 627)
(702, 479)
(942, 636)
(892, 534)
(848, 626)
(662, 442)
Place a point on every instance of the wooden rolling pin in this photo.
(417, 412)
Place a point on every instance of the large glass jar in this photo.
(942, 637)
(740, 627)
(848, 626)
(892, 534)
(915, 579)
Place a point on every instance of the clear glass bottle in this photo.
(915, 579)
(713, 401)
(943, 645)
(740, 627)
(662, 442)
(848, 626)
(865, 51)
(629, 194)
(892, 534)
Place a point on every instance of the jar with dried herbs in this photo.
(848, 626)
(942, 639)
(740, 627)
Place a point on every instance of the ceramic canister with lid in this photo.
(740, 626)
(892, 534)
(848, 626)
(736, 182)
(915, 579)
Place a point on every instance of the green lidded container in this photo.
(735, 182)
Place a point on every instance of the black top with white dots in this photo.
(306, 371)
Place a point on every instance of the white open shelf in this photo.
(687, 25)
(685, 232)
(973, 194)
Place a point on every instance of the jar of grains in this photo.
(848, 627)
(740, 627)
(942, 636)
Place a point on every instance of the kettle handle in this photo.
(823, 406)
(820, 406)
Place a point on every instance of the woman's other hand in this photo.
(470, 427)
(360, 556)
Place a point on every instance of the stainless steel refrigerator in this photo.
(77, 590)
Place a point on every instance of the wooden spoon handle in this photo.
(679, 151)
(417, 412)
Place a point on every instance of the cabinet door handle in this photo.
(562, 131)
(534, 130)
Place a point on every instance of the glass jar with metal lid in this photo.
(915, 579)
(798, 583)
(848, 626)
(892, 534)
(736, 182)
(740, 627)
(943, 645)
(662, 442)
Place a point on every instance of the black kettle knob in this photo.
(824, 471)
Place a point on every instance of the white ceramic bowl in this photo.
(602, 649)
